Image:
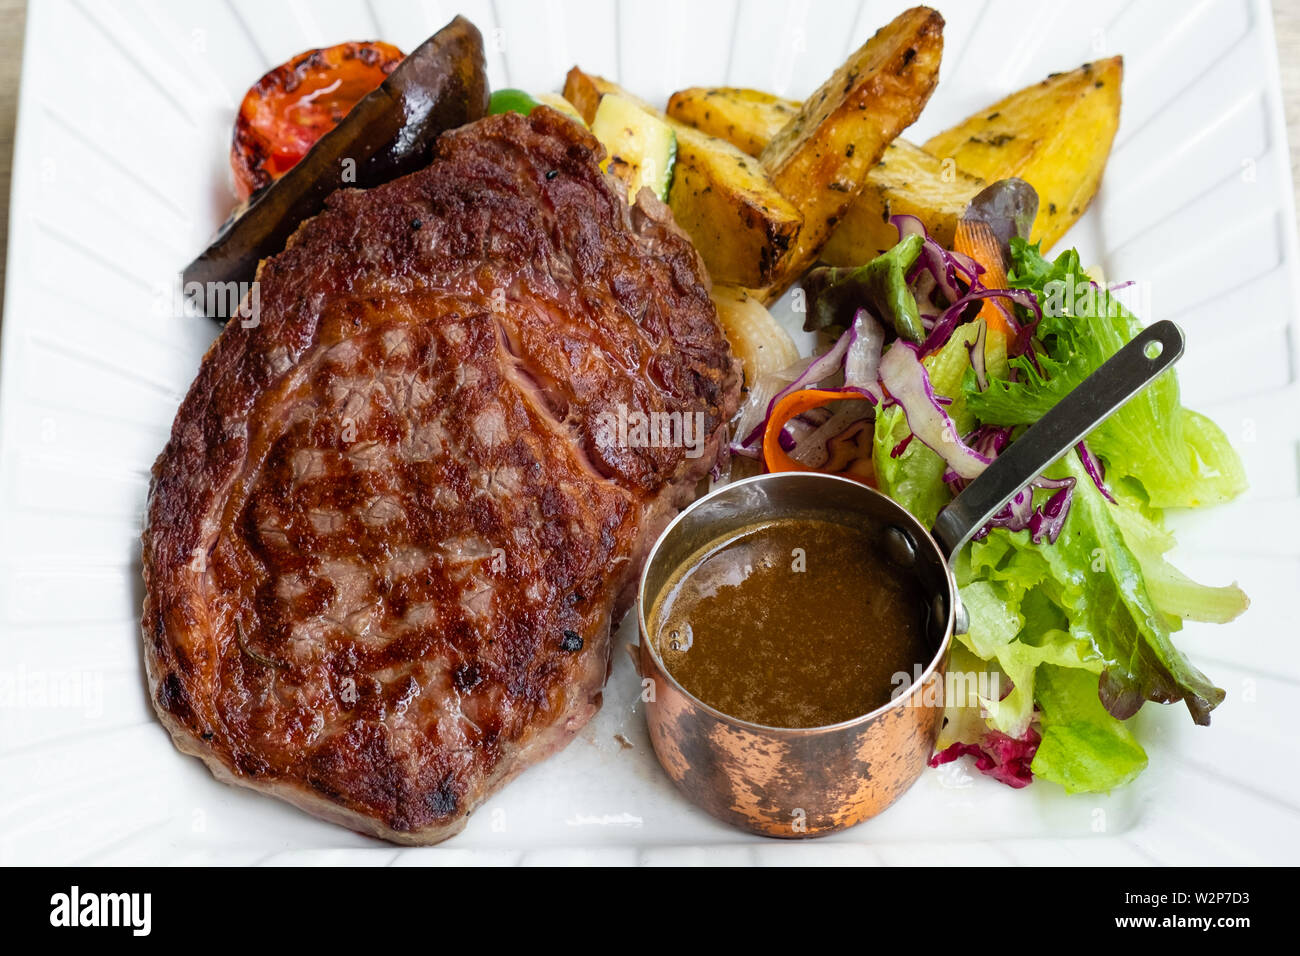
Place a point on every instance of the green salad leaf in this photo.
(834, 294)
(1090, 584)
(1083, 748)
(1180, 459)
(1080, 630)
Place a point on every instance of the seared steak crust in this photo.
(389, 535)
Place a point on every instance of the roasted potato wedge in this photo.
(742, 226)
(584, 91)
(1056, 135)
(747, 119)
(821, 158)
(906, 180)
(909, 181)
(744, 229)
(755, 337)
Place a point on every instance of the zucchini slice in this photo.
(642, 148)
(557, 102)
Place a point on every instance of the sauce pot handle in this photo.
(1094, 400)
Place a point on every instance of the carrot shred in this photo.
(976, 239)
(791, 406)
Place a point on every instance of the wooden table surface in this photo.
(13, 18)
(1286, 21)
(1286, 18)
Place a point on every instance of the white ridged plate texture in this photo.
(120, 176)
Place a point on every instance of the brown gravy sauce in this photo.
(795, 622)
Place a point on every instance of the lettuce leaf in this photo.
(1012, 625)
(1078, 633)
(972, 686)
(1179, 458)
(1083, 748)
(1177, 597)
(834, 294)
(915, 478)
(1091, 582)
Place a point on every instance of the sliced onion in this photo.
(812, 448)
(753, 415)
(862, 360)
(908, 384)
(821, 367)
(855, 356)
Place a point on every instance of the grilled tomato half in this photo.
(298, 102)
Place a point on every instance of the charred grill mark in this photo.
(173, 698)
(251, 764)
(159, 634)
(466, 677)
(442, 801)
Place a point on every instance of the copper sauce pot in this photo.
(796, 783)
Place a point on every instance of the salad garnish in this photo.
(1072, 602)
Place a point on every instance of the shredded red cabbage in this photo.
(862, 359)
(947, 269)
(1019, 514)
(855, 357)
(946, 286)
(908, 384)
(1095, 469)
(1002, 757)
(822, 367)
(943, 271)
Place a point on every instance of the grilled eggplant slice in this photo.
(440, 86)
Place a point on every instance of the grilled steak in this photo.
(397, 518)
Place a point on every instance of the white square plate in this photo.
(120, 177)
